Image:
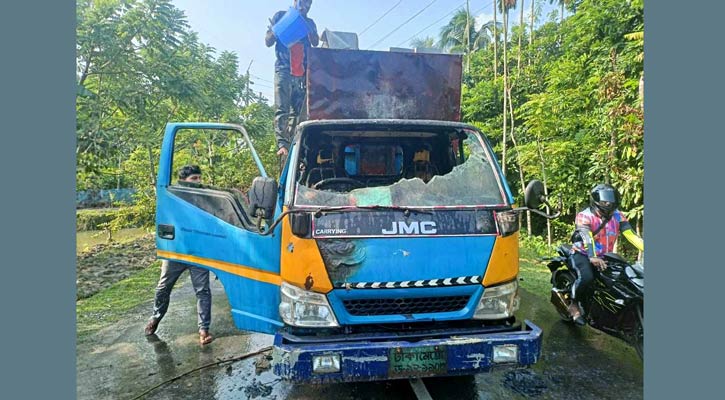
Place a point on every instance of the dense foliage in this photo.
(139, 66)
(577, 111)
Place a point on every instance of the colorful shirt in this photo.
(588, 221)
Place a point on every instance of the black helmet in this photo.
(604, 199)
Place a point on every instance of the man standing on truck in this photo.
(597, 228)
(289, 74)
(170, 272)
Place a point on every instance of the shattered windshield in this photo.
(370, 169)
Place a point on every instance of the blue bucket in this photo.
(290, 28)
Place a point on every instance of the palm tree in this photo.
(505, 5)
(468, 33)
(495, 42)
(522, 31)
(561, 3)
(487, 30)
(460, 35)
(531, 29)
(426, 42)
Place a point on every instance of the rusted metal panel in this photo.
(362, 84)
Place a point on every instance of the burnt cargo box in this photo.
(362, 84)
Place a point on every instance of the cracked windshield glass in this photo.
(401, 169)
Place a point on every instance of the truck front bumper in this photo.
(375, 357)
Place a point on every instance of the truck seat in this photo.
(325, 168)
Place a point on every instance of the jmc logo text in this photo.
(412, 228)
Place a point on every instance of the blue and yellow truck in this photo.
(388, 246)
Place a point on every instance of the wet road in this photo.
(119, 362)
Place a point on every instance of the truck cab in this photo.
(387, 248)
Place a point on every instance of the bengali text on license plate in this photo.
(417, 361)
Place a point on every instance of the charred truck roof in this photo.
(362, 84)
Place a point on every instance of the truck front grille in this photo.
(416, 305)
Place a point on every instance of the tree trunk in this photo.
(505, 83)
(640, 90)
(118, 173)
(531, 32)
(248, 89)
(540, 149)
(210, 157)
(246, 98)
(531, 29)
(522, 28)
(503, 139)
(612, 149)
(518, 157)
(495, 42)
(641, 234)
(468, 37)
(152, 170)
(84, 74)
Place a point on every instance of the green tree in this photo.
(140, 66)
(506, 5)
(461, 36)
(426, 42)
(574, 106)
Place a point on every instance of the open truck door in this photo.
(212, 225)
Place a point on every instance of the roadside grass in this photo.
(89, 219)
(112, 304)
(533, 274)
(85, 240)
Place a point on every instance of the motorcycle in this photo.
(616, 303)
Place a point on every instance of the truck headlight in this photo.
(498, 301)
(299, 307)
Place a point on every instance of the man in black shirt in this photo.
(289, 74)
(172, 270)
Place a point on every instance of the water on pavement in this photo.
(119, 362)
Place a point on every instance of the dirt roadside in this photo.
(105, 264)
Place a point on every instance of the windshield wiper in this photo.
(406, 210)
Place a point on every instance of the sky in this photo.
(239, 25)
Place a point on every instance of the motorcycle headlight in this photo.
(508, 222)
(498, 301)
(299, 307)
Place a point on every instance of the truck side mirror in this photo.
(263, 196)
(300, 224)
(534, 194)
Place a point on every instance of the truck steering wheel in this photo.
(344, 182)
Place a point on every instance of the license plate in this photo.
(417, 361)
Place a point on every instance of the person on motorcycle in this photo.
(597, 228)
